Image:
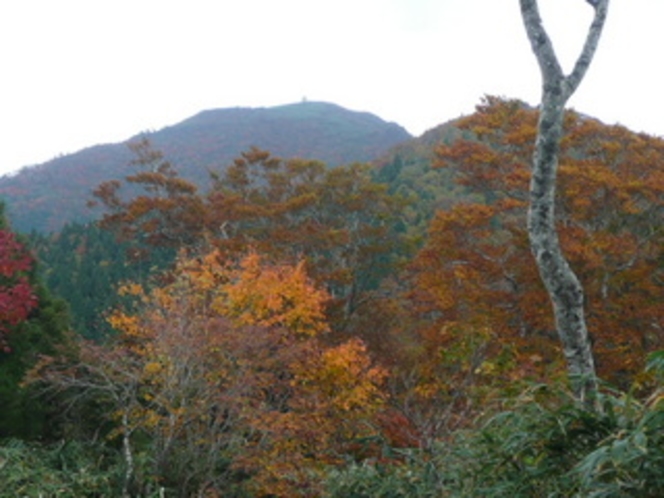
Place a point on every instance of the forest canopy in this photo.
(299, 330)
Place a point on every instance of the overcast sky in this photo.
(75, 73)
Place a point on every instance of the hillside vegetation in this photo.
(289, 327)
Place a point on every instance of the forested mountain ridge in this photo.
(46, 196)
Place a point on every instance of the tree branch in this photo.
(545, 53)
(540, 41)
(589, 47)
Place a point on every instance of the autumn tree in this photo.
(560, 280)
(224, 372)
(301, 403)
(480, 326)
(154, 206)
(17, 296)
(474, 293)
(342, 223)
(338, 219)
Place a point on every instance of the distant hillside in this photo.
(407, 169)
(45, 197)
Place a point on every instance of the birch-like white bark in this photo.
(128, 454)
(561, 282)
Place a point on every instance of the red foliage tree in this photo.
(17, 298)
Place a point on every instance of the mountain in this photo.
(46, 196)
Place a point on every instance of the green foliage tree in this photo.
(84, 265)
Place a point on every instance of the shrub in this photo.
(544, 444)
(67, 470)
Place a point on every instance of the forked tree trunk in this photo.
(563, 286)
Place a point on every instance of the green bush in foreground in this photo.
(67, 470)
(544, 445)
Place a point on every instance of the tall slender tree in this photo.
(562, 284)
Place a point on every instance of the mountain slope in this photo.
(407, 169)
(46, 196)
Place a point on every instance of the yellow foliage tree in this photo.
(230, 381)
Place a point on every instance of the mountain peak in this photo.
(46, 196)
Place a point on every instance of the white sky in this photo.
(74, 73)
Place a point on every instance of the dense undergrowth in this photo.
(542, 444)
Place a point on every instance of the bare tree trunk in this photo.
(563, 286)
(128, 454)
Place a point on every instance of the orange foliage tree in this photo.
(224, 371)
(476, 272)
(154, 206)
(336, 219)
